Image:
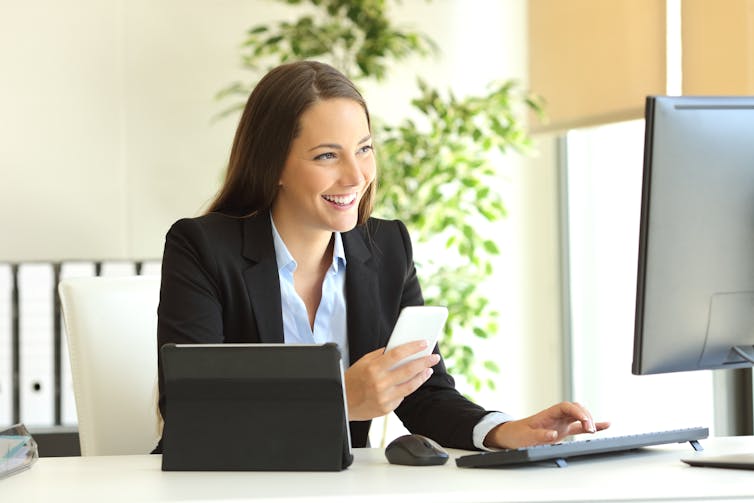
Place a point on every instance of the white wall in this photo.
(106, 138)
(106, 134)
(539, 281)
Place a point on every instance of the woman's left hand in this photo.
(546, 427)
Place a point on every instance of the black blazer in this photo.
(220, 284)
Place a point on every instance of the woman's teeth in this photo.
(341, 200)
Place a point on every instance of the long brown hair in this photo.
(269, 123)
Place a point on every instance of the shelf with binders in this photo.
(36, 388)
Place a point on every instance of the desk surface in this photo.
(652, 474)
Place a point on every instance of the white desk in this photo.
(653, 474)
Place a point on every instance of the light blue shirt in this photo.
(330, 319)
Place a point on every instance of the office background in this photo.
(108, 134)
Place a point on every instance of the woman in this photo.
(288, 253)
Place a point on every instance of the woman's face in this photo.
(328, 169)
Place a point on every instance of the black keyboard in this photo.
(559, 452)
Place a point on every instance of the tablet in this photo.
(417, 323)
(743, 461)
(254, 407)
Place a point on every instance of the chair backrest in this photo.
(111, 325)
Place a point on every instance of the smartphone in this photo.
(414, 324)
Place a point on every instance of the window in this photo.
(603, 179)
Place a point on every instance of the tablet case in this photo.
(254, 407)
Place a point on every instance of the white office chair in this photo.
(111, 325)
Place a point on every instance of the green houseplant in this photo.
(436, 174)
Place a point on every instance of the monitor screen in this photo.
(695, 285)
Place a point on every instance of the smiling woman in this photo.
(268, 262)
(329, 168)
(272, 133)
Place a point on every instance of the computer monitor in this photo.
(695, 287)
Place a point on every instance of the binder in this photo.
(118, 268)
(6, 345)
(68, 416)
(36, 344)
(151, 268)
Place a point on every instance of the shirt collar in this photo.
(286, 261)
(338, 253)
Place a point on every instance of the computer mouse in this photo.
(415, 450)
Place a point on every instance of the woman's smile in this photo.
(345, 201)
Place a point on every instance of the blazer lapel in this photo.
(361, 295)
(262, 281)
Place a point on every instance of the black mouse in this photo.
(415, 450)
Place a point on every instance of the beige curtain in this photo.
(595, 61)
(718, 46)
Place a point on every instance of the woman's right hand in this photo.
(373, 389)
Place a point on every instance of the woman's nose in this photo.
(352, 173)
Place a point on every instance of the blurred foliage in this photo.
(439, 176)
(354, 36)
(437, 171)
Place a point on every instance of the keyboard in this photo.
(557, 453)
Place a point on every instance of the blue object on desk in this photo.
(18, 450)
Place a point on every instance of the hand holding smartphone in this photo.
(417, 323)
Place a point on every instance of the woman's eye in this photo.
(365, 149)
(325, 156)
